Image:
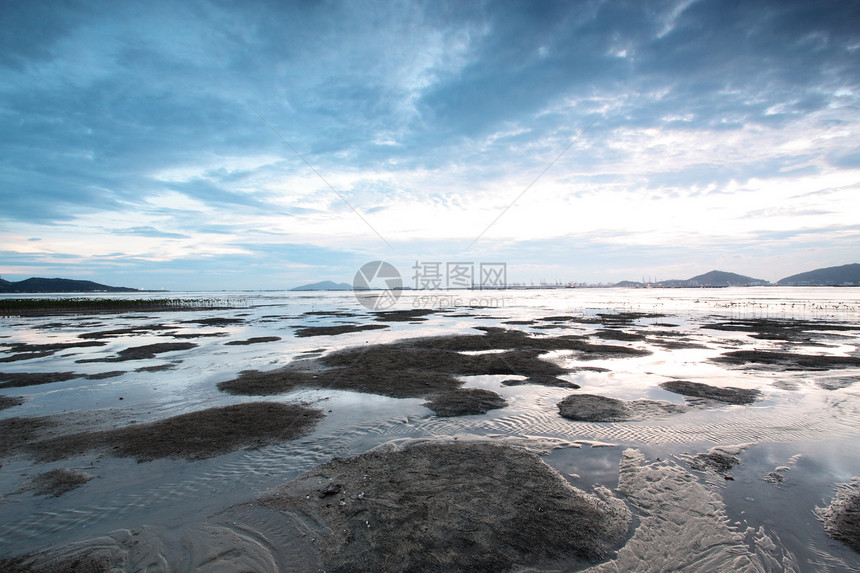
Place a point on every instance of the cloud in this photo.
(139, 126)
(148, 232)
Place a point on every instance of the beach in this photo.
(540, 430)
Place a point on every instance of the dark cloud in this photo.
(32, 29)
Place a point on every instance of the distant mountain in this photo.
(722, 278)
(710, 279)
(829, 276)
(324, 285)
(41, 285)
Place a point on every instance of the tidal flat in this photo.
(565, 429)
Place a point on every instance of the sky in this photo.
(208, 145)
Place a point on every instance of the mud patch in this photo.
(20, 379)
(253, 340)
(621, 319)
(728, 395)
(543, 381)
(419, 368)
(16, 433)
(25, 356)
(788, 360)
(593, 408)
(105, 375)
(335, 330)
(773, 329)
(334, 313)
(676, 344)
(574, 319)
(619, 335)
(774, 477)
(216, 321)
(56, 482)
(837, 383)
(256, 383)
(142, 352)
(465, 402)
(48, 349)
(450, 507)
(129, 330)
(411, 315)
(189, 335)
(841, 518)
(196, 435)
(10, 401)
(156, 368)
(720, 460)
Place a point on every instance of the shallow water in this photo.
(795, 418)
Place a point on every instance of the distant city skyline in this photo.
(202, 145)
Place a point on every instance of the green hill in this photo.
(42, 285)
(324, 285)
(829, 276)
(722, 278)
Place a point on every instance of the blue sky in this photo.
(142, 141)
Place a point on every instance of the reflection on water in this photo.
(809, 412)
